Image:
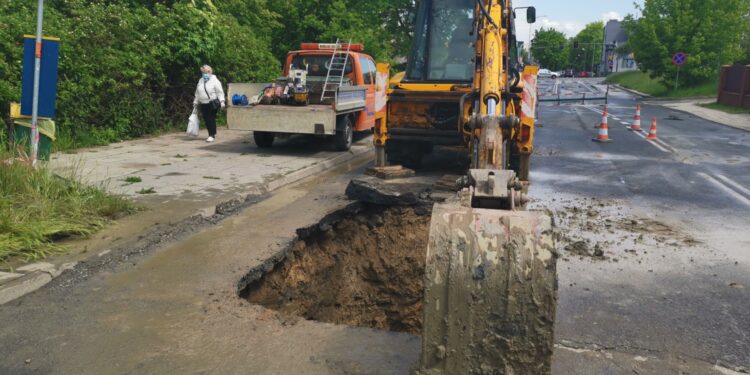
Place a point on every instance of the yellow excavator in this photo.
(490, 282)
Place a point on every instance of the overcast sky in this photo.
(570, 16)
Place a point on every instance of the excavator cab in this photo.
(443, 46)
(424, 108)
(432, 103)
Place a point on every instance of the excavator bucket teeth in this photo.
(490, 292)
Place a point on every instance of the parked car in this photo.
(584, 74)
(546, 73)
(569, 73)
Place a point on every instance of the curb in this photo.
(634, 92)
(31, 277)
(292, 177)
(657, 99)
(23, 285)
(320, 167)
(681, 99)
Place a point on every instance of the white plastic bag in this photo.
(192, 129)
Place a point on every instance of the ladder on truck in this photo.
(336, 70)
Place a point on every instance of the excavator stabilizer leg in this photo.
(490, 292)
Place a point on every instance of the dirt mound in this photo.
(364, 270)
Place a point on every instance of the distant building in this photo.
(612, 62)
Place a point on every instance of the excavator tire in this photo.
(490, 292)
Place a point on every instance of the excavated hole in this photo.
(363, 269)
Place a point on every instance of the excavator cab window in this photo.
(442, 49)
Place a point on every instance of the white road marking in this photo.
(734, 184)
(726, 189)
(624, 123)
(618, 106)
(591, 109)
(643, 135)
(661, 142)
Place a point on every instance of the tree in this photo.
(745, 58)
(548, 48)
(708, 31)
(589, 50)
(129, 67)
(384, 26)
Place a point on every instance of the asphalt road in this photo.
(686, 302)
(670, 295)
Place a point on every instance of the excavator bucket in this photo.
(490, 292)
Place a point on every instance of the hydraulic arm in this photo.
(490, 277)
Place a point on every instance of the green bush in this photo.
(129, 68)
(709, 32)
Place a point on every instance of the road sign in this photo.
(679, 58)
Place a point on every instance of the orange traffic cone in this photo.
(605, 114)
(652, 133)
(603, 129)
(636, 119)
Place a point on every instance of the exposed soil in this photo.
(364, 269)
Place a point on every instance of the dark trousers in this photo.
(209, 117)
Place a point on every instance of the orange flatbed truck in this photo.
(326, 89)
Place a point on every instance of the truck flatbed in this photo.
(306, 119)
(310, 119)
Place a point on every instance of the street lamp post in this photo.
(593, 54)
(37, 68)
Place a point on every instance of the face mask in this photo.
(206, 77)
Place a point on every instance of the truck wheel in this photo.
(344, 133)
(264, 139)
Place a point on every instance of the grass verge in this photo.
(38, 207)
(725, 108)
(641, 82)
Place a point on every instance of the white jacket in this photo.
(215, 91)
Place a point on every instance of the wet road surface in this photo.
(681, 303)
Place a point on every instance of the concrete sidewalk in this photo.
(738, 121)
(174, 165)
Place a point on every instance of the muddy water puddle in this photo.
(362, 269)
